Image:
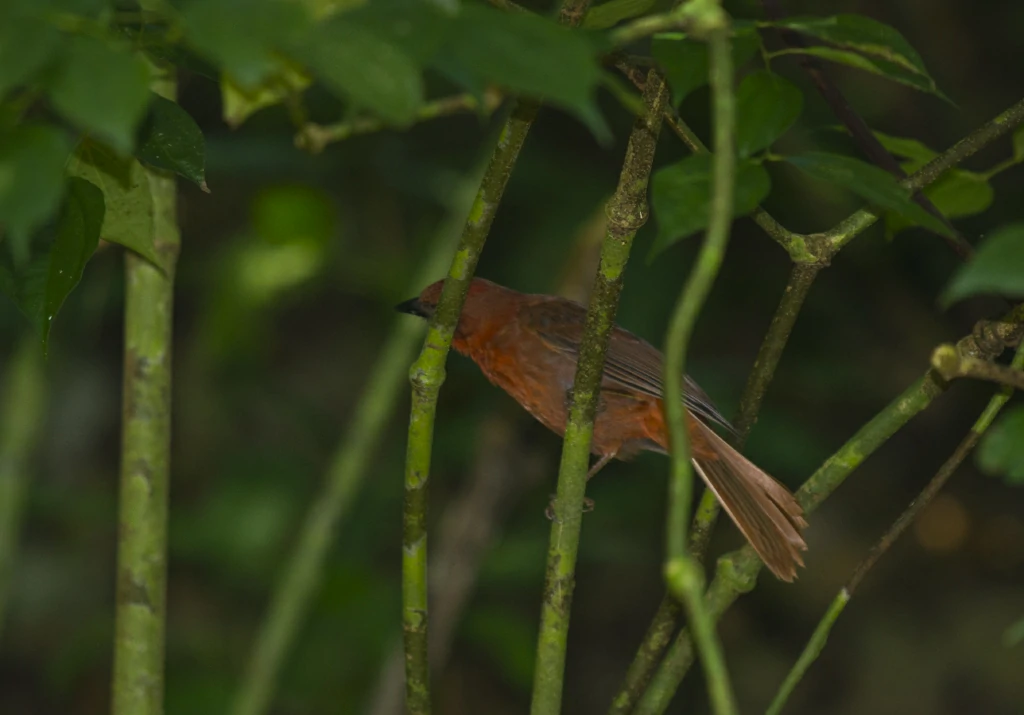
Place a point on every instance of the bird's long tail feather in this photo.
(763, 509)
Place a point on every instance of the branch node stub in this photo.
(626, 219)
(684, 575)
(425, 380)
(946, 360)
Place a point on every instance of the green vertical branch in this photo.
(426, 377)
(737, 572)
(684, 575)
(818, 639)
(293, 596)
(22, 411)
(138, 678)
(627, 212)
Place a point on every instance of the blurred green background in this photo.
(289, 272)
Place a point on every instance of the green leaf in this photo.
(1001, 451)
(240, 103)
(103, 89)
(1018, 144)
(681, 195)
(766, 106)
(32, 160)
(364, 69)
(128, 196)
(171, 140)
(244, 37)
(685, 61)
(889, 70)
(874, 185)
(529, 55)
(605, 15)
(997, 267)
(417, 27)
(40, 287)
(27, 42)
(861, 34)
(917, 152)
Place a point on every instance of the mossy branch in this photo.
(818, 639)
(294, 593)
(627, 212)
(138, 678)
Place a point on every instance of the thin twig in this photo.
(951, 365)
(294, 593)
(858, 128)
(683, 575)
(737, 572)
(817, 641)
(314, 138)
(21, 422)
(627, 212)
(138, 678)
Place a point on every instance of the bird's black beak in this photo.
(414, 306)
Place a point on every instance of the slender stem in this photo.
(800, 281)
(627, 212)
(817, 641)
(21, 421)
(314, 138)
(737, 572)
(685, 577)
(814, 647)
(643, 27)
(138, 677)
(951, 365)
(294, 593)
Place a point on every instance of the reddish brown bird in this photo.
(528, 346)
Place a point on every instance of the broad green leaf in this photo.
(915, 151)
(681, 196)
(874, 185)
(40, 287)
(685, 61)
(1002, 448)
(957, 194)
(171, 140)
(103, 89)
(32, 160)
(889, 70)
(997, 267)
(128, 220)
(27, 42)
(241, 103)
(605, 15)
(244, 37)
(369, 72)
(417, 27)
(861, 34)
(1018, 144)
(529, 55)
(766, 106)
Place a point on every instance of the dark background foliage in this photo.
(288, 275)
